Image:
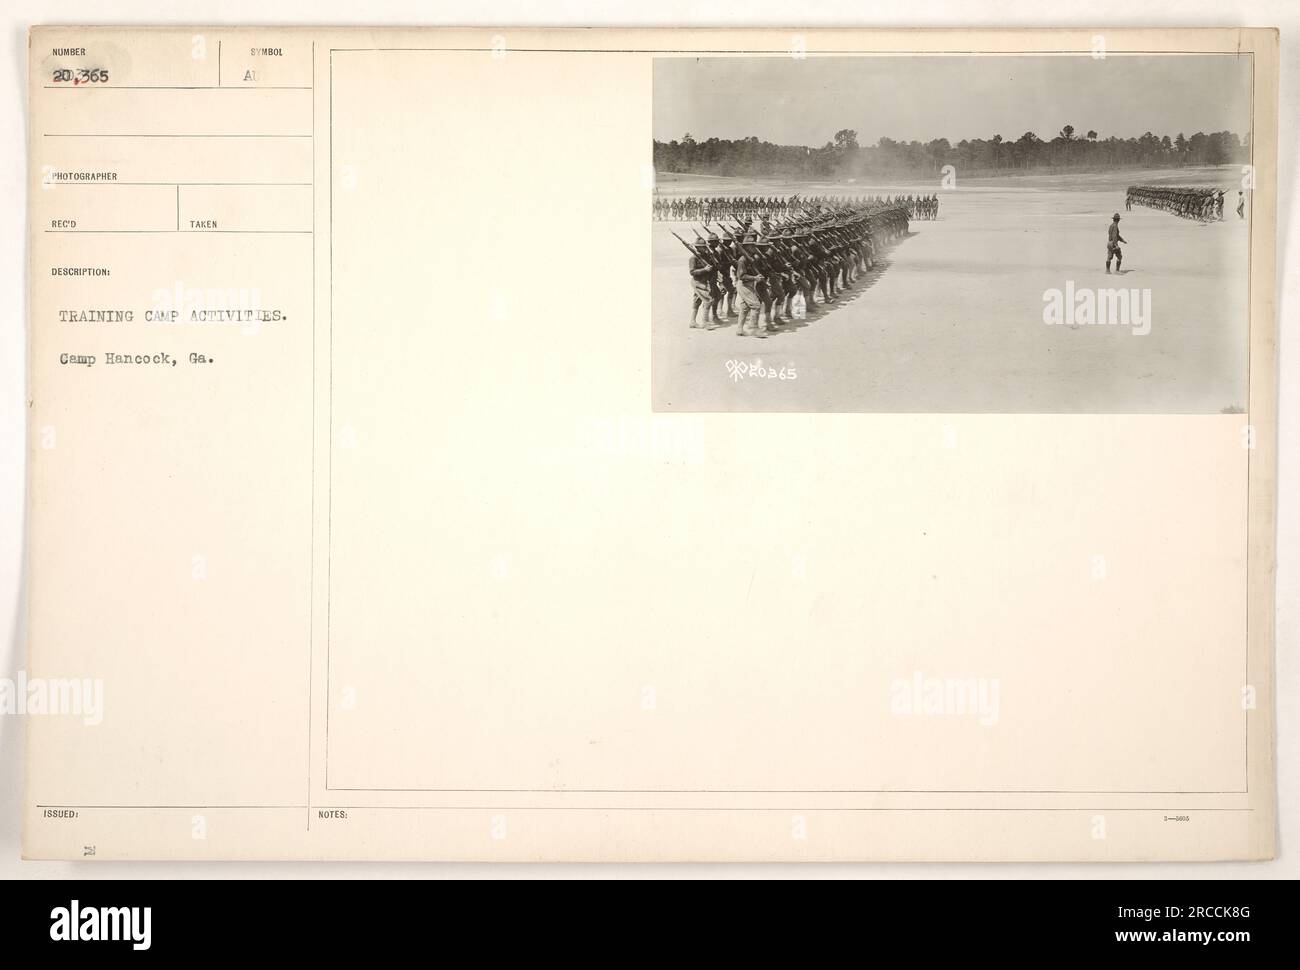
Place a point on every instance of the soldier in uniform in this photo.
(704, 293)
(748, 302)
(723, 260)
(793, 273)
(806, 266)
(823, 267)
(775, 295)
(1113, 239)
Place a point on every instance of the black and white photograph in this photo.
(952, 233)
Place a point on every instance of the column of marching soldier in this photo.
(1189, 202)
(710, 209)
(759, 275)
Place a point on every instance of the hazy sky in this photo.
(805, 101)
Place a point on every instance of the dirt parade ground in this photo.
(989, 308)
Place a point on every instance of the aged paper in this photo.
(402, 489)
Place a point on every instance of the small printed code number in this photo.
(81, 76)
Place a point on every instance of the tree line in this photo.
(843, 157)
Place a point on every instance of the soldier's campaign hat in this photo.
(713, 237)
(1115, 217)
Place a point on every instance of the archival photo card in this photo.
(651, 445)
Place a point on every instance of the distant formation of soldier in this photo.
(1189, 202)
(767, 274)
(711, 208)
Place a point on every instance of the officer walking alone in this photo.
(1113, 239)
